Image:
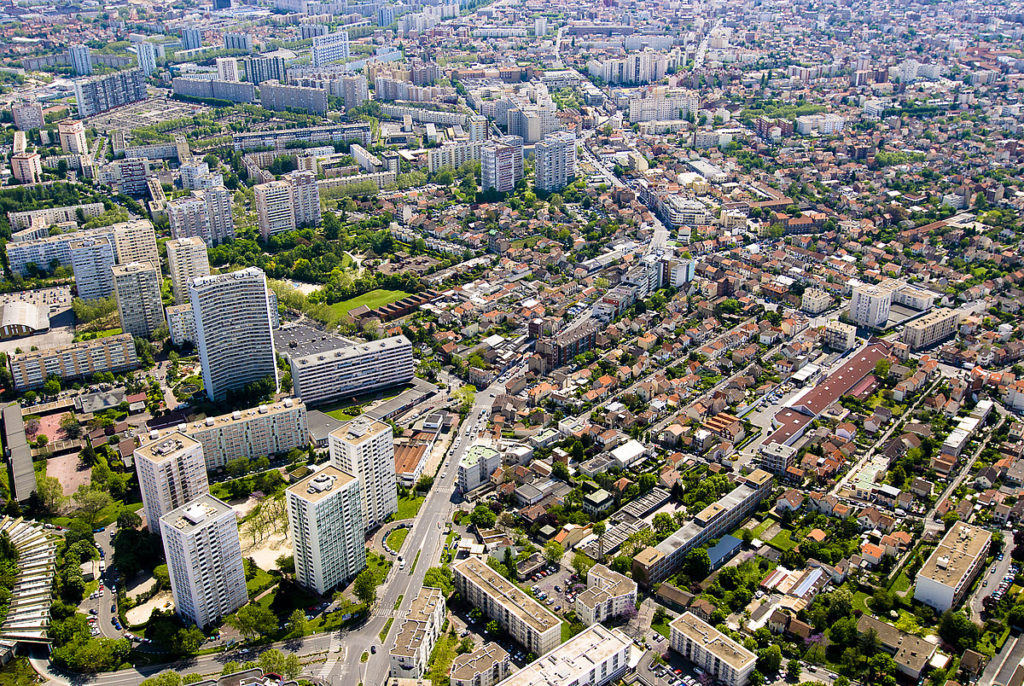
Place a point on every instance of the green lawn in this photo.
(260, 581)
(93, 335)
(396, 538)
(570, 629)
(379, 565)
(351, 408)
(340, 414)
(661, 627)
(372, 299)
(901, 584)
(860, 602)
(408, 507)
(783, 541)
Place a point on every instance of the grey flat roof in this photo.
(299, 340)
(321, 425)
(20, 472)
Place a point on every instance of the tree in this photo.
(167, 678)
(883, 601)
(51, 494)
(298, 624)
(128, 519)
(959, 631)
(366, 587)
(237, 468)
(663, 522)
(510, 564)
(273, 661)
(647, 482)
(230, 667)
(72, 429)
(482, 517)
(582, 564)
(697, 564)
(91, 501)
(882, 368)
(253, 620)
(493, 627)
(187, 641)
(793, 671)
(769, 659)
(553, 552)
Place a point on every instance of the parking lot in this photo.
(467, 627)
(555, 587)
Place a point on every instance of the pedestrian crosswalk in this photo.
(389, 614)
(337, 654)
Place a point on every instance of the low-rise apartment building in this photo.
(722, 658)
(76, 361)
(947, 575)
(930, 329)
(339, 371)
(256, 432)
(419, 632)
(655, 564)
(609, 594)
(595, 656)
(485, 666)
(525, 619)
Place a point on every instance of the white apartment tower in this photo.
(81, 59)
(556, 160)
(869, 305)
(330, 48)
(206, 214)
(291, 203)
(305, 197)
(146, 54)
(233, 330)
(204, 560)
(72, 137)
(501, 163)
(227, 69)
(137, 287)
(274, 207)
(91, 260)
(187, 259)
(365, 449)
(325, 517)
(172, 471)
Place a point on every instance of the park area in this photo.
(372, 299)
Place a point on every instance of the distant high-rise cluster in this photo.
(101, 93)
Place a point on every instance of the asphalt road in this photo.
(109, 598)
(990, 580)
(426, 537)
